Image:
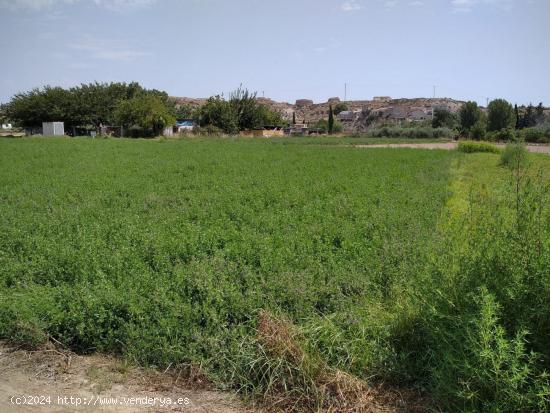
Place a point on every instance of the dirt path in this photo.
(97, 384)
(447, 146)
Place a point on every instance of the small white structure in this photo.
(53, 128)
(6, 126)
(168, 131)
(185, 125)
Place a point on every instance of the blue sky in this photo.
(287, 49)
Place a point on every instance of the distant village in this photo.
(357, 116)
(303, 117)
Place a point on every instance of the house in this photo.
(297, 129)
(346, 116)
(398, 113)
(418, 114)
(6, 126)
(184, 125)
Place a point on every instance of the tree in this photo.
(242, 111)
(444, 118)
(90, 104)
(539, 113)
(516, 113)
(500, 115)
(147, 112)
(469, 115)
(3, 116)
(528, 118)
(330, 120)
(322, 126)
(340, 107)
(184, 111)
(219, 113)
(478, 130)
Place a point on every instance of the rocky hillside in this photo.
(308, 112)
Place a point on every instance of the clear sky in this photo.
(287, 49)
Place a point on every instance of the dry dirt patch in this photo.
(98, 382)
(447, 146)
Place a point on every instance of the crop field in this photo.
(274, 268)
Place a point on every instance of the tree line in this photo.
(143, 112)
(501, 121)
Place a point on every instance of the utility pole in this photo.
(487, 103)
(434, 90)
(345, 92)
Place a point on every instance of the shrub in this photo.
(471, 146)
(413, 132)
(505, 135)
(514, 155)
(535, 135)
(478, 130)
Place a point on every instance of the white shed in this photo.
(53, 128)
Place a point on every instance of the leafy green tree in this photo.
(184, 111)
(322, 126)
(330, 120)
(340, 107)
(500, 115)
(219, 113)
(443, 118)
(90, 104)
(147, 112)
(469, 115)
(242, 111)
(479, 130)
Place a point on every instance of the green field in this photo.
(424, 270)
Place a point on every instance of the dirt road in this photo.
(97, 384)
(447, 146)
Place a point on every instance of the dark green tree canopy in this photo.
(469, 115)
(145, 112)
(500, 115)
(443, 118)
(90, 104)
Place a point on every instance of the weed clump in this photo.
(474, 146)
(514, 155)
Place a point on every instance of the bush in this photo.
(504, 135)
(444, 118)
(514, 155)
(535, 135)
(471, 147)
(478, 131)
(413, 132)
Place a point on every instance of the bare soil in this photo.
(447, 146)
(102, 384)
